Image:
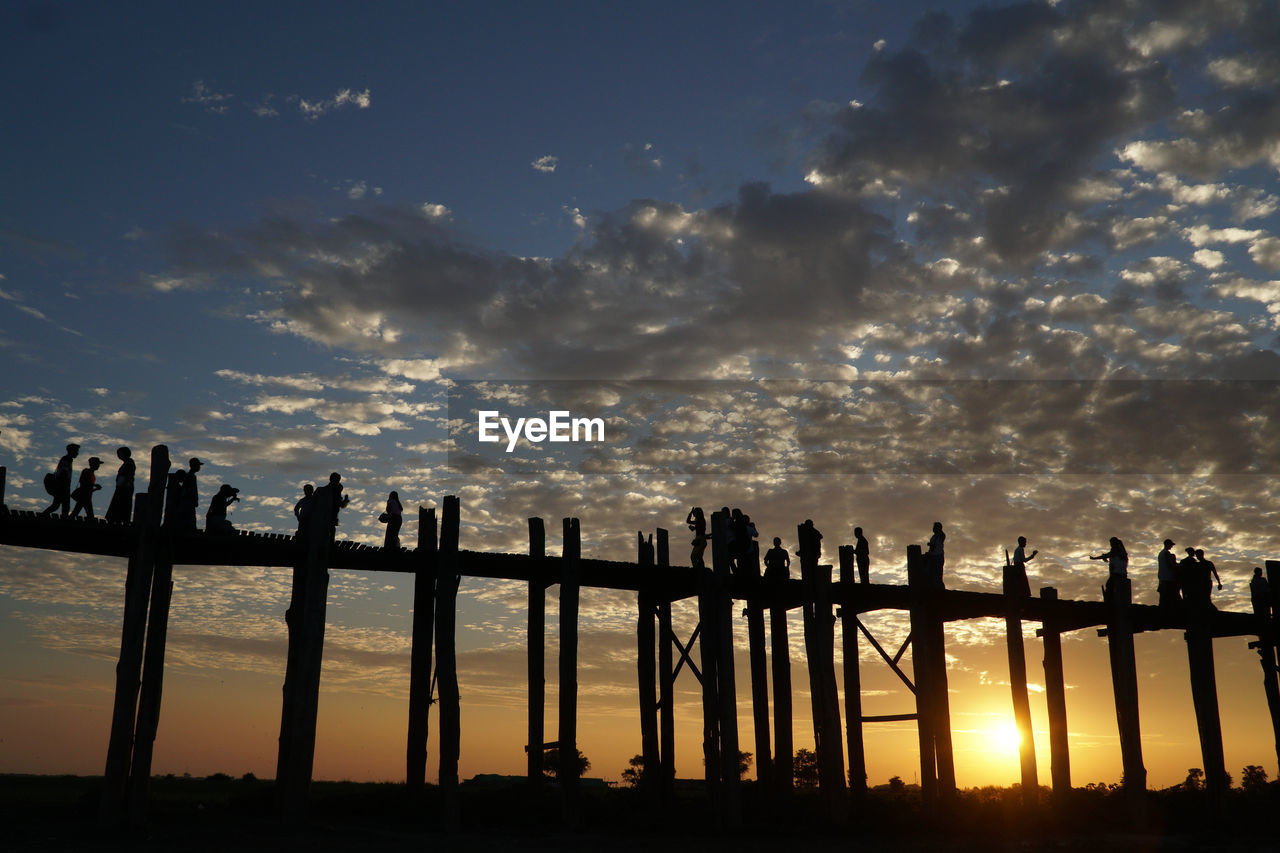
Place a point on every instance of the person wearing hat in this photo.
(1167, 578)
(59, 482)
(84, 492)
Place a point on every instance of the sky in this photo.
(1011, 267)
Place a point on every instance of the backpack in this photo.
(51, 484)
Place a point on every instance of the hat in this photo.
(93, 460)
(194, 462)
(73, 446)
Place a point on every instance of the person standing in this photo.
(1260, 593)
(120, 510)
(862, 555)
(88, 485)
(697, 521)
(189, 496)
(1167, 577)
(935, 558)
(1117, 563)
(1022, 585)
(58, 483)
(1206, 569)
(394, 517)
(777, 562)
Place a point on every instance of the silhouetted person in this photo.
(1020, 560)
(810, 540)
(862, 555)
(1167, 577)
(1117, 564)
(338, 500)
(753, 540)
(1206, 569)
(1260, 593)
(394, 517)
(120, 510)
(777, 562)
(189, 496)
(697, 522)
(935, 557)
(58, 483)
(173, 499)
(215, 520)
(302, 509)
(738, 538)
(88, 485)
(1187, 573)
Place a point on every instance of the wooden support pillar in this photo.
(137, 593)
(1266, 647)
(941, 701)
(819, 631)
(754, 612)
(424, 618)
(1013, 601)
(708, 649)
(447, 661)
(4, 475)
(1204, 697)
(1124, 683)
(920, 639)
(852, 675)
(152, 681)
(666, 683)
(537, 639)
(780, 654)
(1055, 696)
(293, 626)
(727, 690)
(570, 579)
(646, 668)
(299, 730)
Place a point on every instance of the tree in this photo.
(1194, 780)
(744, 764)
(1253, 778)
(896, 784)
(805, 764)
(635, 771)
(551, 763)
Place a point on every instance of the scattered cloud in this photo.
(546, 163)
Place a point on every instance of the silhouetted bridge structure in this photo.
(153, 547)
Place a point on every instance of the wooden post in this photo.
(852, 675)
(570, 579)
(295, 781)
(819, 633)
(727, 689)
(646, 669)
(152, 681)
(1124, 683)
(708, 648)
(920, 639)
(1204, 698)
(1266, 647)
(424, 617)
(1013, 601)
(537, 646)
(666, 684)
(293, 625)
(4, 474)
(1055, 697)
(759, 671)
(780, 653)
(447, 661)
(137, 592)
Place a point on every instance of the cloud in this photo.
(546, 163)
(213, 101)
(641, 159)
(312, 110)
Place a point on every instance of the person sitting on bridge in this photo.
(777, 562)
(215, 520)
(84, 492)
(58, 483)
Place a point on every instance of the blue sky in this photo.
(272, 236)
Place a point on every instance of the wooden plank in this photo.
(537, 640)
(1204, 698)
(780, 654)
(424, 619)
(666, 681)
(647, 672)
(1124, 682)
(727, 692)
(447, 662)
(758, 657)
(708, 648)
(569, 590)
(852, 682)
(137, 594)
(152, 683)
(923, 687)
(1056, 700)
(1014, 599)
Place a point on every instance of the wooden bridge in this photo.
(153, 547)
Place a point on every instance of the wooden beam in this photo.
(537, 640)
(137, 593)
(647, 672)
(754, 613)
(1124, 682)
(780, 654)
(1014, 600)
(424, 619)
(852, 681)
(708, 647)
(152, 683)
(1204, 698)
(569, 590)
(666, 675)
(924, 687)
(727, 692)
(891, 661)
(1056, 700)
(447, 662)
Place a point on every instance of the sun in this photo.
(1004, 737)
